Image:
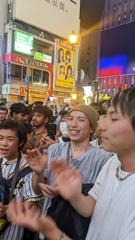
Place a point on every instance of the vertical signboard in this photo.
(65, 65)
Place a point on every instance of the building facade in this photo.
(32, 34)
(116, 65)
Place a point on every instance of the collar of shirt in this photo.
(9, 162)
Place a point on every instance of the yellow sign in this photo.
(65, 65)
(34, 92)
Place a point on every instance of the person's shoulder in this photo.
(58, 146)
(100, 152)
(57, 150)
(112, 162)
(24, 162)
(104, 153)
(98, 156)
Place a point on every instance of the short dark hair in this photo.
(37, 103)
(28, 110)
(125, 100)
(46, 111)
(17, 108)
(63, 112)
(18, 127)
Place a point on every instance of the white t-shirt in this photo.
(114, 214)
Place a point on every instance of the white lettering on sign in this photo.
(11, 89)
(31, 62)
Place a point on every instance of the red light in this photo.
(110, 72)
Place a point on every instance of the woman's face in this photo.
(62, 70)
(69, 72)
(68, 56)
(61, 53)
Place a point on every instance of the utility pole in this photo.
(27, 89)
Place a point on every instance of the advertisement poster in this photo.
(65, 65)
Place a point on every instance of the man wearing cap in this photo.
(81, 122)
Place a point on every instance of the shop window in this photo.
(45, 80)
(27, 72)
(37, 77)
(43, 47)
(15, 72)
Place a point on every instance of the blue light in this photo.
(114, 61)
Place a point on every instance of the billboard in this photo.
(65, 66)
(117, 51)
(60, 17)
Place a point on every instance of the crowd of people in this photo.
(68, 176)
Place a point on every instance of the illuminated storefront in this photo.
(30, 50)
(23, 70)
(29, 66)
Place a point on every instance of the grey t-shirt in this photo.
(89, 164)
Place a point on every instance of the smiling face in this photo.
(78, 126)
(61, 55)
(69, 71)
(62, 70)
(117, 133)
(9, 144)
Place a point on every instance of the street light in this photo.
(73, 38)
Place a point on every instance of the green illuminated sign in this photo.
(23, 42)
(42, 57)
(38, 56)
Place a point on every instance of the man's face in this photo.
(3, 114)
(26, 118)
(117, 134)
(18, 116)
(9, 143)
(38, 120)
(78, 126)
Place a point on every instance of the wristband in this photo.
(62, 236)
